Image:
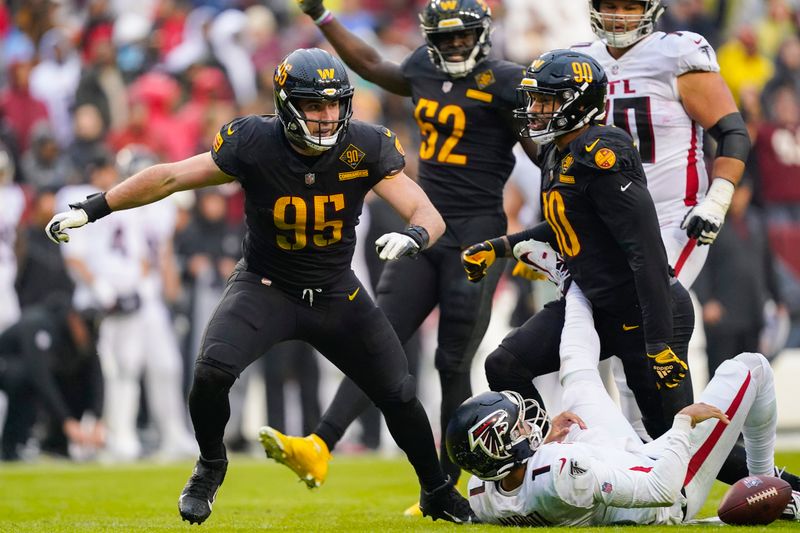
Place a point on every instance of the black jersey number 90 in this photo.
(291, 214)
(427, 118)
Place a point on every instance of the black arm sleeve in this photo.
(37, 361)
(631, 217)
(541, 232)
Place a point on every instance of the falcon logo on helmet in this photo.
(488, 434)
(492, 432)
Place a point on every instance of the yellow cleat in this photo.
(306, 456)
(414, 511)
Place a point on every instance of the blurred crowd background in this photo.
(93, 90)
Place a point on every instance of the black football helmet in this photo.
(562, 91)
(441, 19)
(633, 28)
(316, 75)
(492, 432)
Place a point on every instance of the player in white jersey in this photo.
(665, 89)
(12, 201)
(163, 370)
(592, 469)
(108, 263)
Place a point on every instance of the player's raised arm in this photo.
(145, 187)
(358, 55)
(425, 224)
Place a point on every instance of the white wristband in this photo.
(324, 18)
(721, 192)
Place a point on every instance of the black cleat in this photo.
(446, 503)
(200, 491)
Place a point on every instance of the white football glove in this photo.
(542, 259)
(704, 220)
(391, 246)
(74, 218)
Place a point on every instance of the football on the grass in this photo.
(755, 500)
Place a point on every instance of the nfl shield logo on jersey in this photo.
(310, 179)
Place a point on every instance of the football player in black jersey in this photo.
(463, 105)
(601, 218)
(304, 173)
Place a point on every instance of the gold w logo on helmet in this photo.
(325, 73)
(448, 5)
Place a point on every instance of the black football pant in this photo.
(533, 350)
(353, 334)
(409, 289)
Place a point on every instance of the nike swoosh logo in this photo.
(698, 41)
(624, 188)
(625, 327)
(351, 297)
(590, 147)
(230, 130)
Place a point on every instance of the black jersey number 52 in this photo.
(428, 115)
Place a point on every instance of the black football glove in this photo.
(313, 8)
(477, 259)
(670, 369)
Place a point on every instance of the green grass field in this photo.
(361, 494)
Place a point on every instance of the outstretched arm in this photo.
(358, 55)
(159, 181)
(145, 187)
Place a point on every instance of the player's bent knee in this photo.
(499, 368)
(402, 395)
(408, 390)
(752, 360)
(757, 364)
(210, 378)
(452, 363)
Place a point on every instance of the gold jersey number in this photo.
(555, 214)
(428, 115)
(291, 214)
